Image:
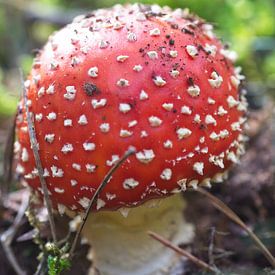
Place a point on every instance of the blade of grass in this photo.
(233, 216)
(184, 253)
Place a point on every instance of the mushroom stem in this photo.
(121, 245)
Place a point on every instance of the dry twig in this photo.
(184, 253)
(233, 216)
(7, 162)
(38, 163)
(105, 181)
(8, 236)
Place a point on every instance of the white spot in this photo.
(125, 133)
(143, 95)
(197, 118)
(208, 31)
(215, 80)
(59, 190)
(210, 120)
(100, 203)
(25, 155)
(53, 65)
(70, 93)
(41, 92)
(88, 146)
(82, 120)
(211, 49)
(122, 58)
(221, 111)
(183, 133)
(186, 110)
(152, 55)
(85, 49)
(90, 168)
(61, 208)
(192, 50)
(110, 196)
(51, 116)
(173, 54)
(68, 147)
(137, 68)
(38, 117)
(104, 127)
(155, 32)
(154, 121)
(93, 72)
(232, 102)
(84, 202)
(211, 101)
(198, 167)
(57, 172)
(124, 211)
(159, 81)
(131, 37)
(141, 17)
(216, 160)
(99, 103)
(46, 173)
(132, 123)
(229, 54)
(166, 174)
(49, 138)
(232, 157)
(193, 184)
(122, 82)
(76, 166)
(168, 144)
(130, 184)
(115, 159)
(235, 81)
(167, 106)
(50, 90)
(73, 182)
(103, 44)
(182, 184)
(124, 107)
(145, 156)
(193, 90)
(75, 61)
(236, 126)
(174, 73)
(68, 123)
(143, 134)
(214, 136)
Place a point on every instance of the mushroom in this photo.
(144, 76)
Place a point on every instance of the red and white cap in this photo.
(155, 79)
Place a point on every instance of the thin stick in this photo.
(38, 163)
(93, 199)
(211, 246)
(184, 253)
(8, 160)
(229, 213)
(8, 236)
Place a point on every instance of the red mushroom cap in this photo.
(141, 76)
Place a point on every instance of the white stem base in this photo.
(121, 246)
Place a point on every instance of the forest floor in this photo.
(249, 191)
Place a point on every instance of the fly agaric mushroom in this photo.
(143, 76)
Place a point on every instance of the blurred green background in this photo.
(247, 25)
